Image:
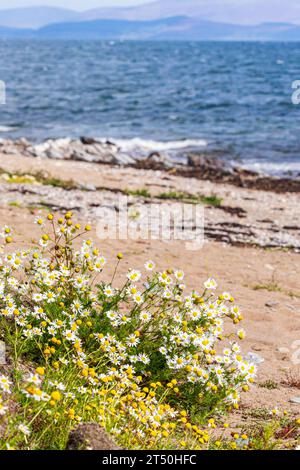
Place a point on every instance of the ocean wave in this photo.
(7, 128)
(274, 168)
(131, 145)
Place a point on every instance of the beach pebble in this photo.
(88, 187)
(271, 304)
(254, 358)
(270, 267)
(2, 353)
(295, 400)
(291, 307)
(283, 350)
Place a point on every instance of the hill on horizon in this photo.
(245, 12)
(170, 29)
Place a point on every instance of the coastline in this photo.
(181, 159)
(241, 207)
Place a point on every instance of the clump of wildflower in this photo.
(122, 355)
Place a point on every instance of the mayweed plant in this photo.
(150, 363)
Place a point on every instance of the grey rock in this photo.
(88, 140)
(125, 159)
(206, 163)
(53, 153)
(23, 142)
(100, 157)
(155, 161)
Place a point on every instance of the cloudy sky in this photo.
(72, 4)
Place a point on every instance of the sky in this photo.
(71, 4)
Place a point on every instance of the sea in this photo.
(230, 100)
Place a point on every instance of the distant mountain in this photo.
(174, 28)
(241, 12)
(34, 17)
(224, 11)
(154, 10)
(110, 29)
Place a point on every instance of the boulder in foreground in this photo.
(90, 436)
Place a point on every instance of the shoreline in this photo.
(199, 165)
(235, 214)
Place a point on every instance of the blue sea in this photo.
(229, 100)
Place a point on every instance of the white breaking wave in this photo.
(137, 144)
(7, 128)
(273, 168)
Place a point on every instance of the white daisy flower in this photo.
(150, 265)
